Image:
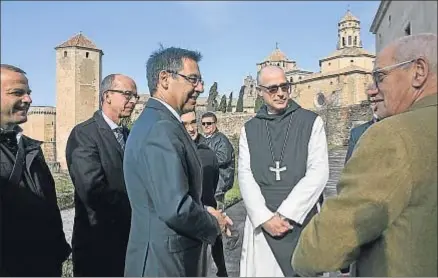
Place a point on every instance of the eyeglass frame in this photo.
(278, 86)
(386, 70)
(189, 78)
(126, 94)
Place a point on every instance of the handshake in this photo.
(224, 221)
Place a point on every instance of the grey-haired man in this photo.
(95, 161)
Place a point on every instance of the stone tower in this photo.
(40, 125)
(349, 31)
(78, 77)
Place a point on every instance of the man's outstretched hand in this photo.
(224, 221)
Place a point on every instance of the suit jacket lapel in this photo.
(106, 132)
(152, 103)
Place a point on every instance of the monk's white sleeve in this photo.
(254, 201)
(306, 192)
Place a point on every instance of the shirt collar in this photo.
(170, 108)
(110, 122)
(18, 130)
(19, 134)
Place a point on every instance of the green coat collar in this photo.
(425, 102)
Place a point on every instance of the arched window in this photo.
(349, 40)
(65, 53)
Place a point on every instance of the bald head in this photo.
(109, 81)
(118, 96)
(270, 72)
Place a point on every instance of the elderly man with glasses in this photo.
(94, 153)
(385, 215)
(282, 170)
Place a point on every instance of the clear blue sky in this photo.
(232, 36)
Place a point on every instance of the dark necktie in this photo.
(118, 131)
(9, 139)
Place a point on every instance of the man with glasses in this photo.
(385, 215)
(32, 241)
(170, 226)
(282, 170)
(94, 155)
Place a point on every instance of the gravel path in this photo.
(238, 214)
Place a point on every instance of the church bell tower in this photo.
(349, 31)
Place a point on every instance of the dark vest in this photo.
(294, 159)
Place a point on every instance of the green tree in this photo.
(223, 104)
(258, 103)
(239, 104)
(212, 96)
(127, 122)
(230, 103)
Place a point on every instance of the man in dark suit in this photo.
(210, 170)
(32, 241)
(379, 113)
(95, 161)
(163, 175)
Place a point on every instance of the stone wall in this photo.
(40, 126)
(338, 122)
(395, 19)
(231, 123)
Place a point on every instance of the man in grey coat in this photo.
(170, 227)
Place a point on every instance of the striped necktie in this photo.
(118, 131)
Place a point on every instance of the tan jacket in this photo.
(385, 216)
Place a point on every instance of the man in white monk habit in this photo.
(283, 169)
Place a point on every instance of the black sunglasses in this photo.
(284, 87)
(207, 123)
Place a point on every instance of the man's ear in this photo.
(420, 72)
(106, 98)
(163, 79)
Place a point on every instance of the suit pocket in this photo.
(177, 243)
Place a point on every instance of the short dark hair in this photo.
(12, 68)
(170, 59)
(209, 115)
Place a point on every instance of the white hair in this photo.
(420, 45)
